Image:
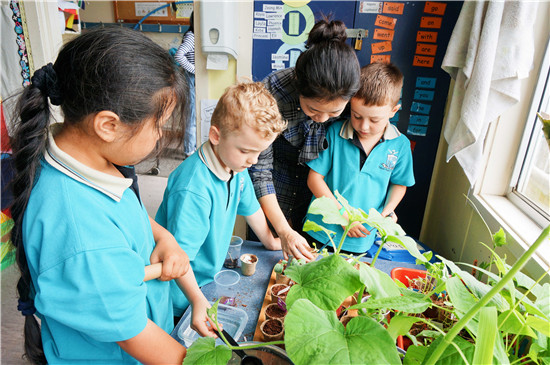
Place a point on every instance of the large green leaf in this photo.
(415, 355)
(478, 288)
(409, 244)
(204, 351)
(315, 336)
(385, 225)
(462, 301)
(377, 282)
(328, 209)
(400, 325)
(541, 325)
(511, 321)
(326, 282)
(407, 304)
(543, 300)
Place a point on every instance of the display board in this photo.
(411, 34)
(134, 11)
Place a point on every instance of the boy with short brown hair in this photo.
(206, 192)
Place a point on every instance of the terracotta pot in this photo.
(275, 289)
(272, 329)
(274, 311)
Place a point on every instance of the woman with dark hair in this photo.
(310, 96)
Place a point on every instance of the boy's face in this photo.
(370, 120)
(238, 150)
(320, 111)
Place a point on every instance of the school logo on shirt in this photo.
(391, 160)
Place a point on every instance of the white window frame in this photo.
(542, 90)
(493, 195)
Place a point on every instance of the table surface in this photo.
(251, 291)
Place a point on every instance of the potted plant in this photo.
(313, 333)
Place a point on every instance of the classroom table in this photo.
(251, 292)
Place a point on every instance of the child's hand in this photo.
(200, 321)
(358, 230)
(175, 262)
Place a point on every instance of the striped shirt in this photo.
(281, 168)
(185, 55)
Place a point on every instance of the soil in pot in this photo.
(272, 329)
(274, 311)
(279, 291)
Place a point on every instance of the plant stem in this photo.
(344, 235)
(377, 253)
(455, 330)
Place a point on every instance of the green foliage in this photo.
(205, 351)
(315, 336)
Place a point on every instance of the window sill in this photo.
(521, 230)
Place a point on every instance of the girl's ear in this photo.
(214, 135)
(107, 125)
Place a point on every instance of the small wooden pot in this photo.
(274, 311)
(275, 289)
(248, 264)
(272, 329)
(281, 278)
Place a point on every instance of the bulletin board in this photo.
(411, 34)
(134, 11)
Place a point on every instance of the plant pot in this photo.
(268, 354)
(248, 264)
(272, 329)
(281, 279)
(273, 310)
(404, 274)
(279, 291)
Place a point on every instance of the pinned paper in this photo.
(427, 95)
(260, 23)
(426, 49)
(416, 130)
(370, 7)
(293, 23)
(383, 34)
(419, 119)
(279, 57)
(417, 107)
(259, 30)
(430, 37)
(435, 8)
(276, 35)
(385, 22)
(393, 8)
(207, 108)
(380, 47)
(271, 7)
(423, 61)
(430, 22)
(426, 82)
(259, 14)
(386, 58)
(265, 36)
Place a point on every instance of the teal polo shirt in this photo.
(390, 162)
(199, 208)
(87, 240)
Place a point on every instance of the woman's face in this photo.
(321, 110)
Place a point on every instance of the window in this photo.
(530, 183)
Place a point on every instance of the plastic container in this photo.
(232, 319)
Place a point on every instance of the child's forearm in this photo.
(154, 346)
(395, 195)
(259, 225)
(318, 186)
(188, 284)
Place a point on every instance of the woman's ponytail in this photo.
(29, 144)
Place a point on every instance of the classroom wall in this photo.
(451, 226)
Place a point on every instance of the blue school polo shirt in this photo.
(390, 162)
(87, 240)
(199, 208)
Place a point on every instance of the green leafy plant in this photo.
(506, 319)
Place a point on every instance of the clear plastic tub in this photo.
(232, 319)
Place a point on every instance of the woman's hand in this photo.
(295, 244)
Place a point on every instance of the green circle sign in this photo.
(310, 21)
